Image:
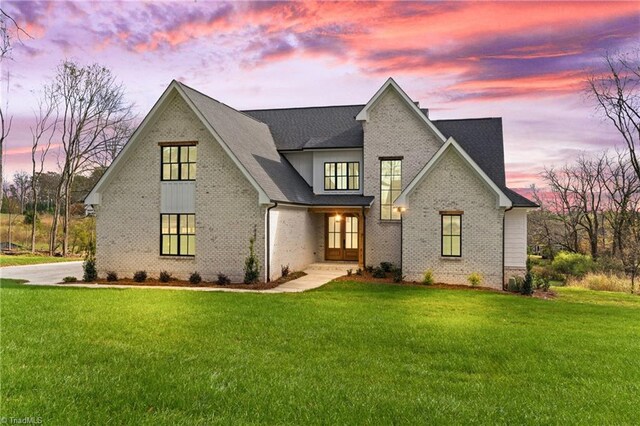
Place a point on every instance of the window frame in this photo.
(390, 190)
(347, 176)
(179, 162)
(451, 235)
(178, 233)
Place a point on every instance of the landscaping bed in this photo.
(155, 282)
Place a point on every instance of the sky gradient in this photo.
(525, 62)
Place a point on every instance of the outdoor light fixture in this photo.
(338, 218)
(401, 209)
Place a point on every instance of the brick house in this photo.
(359, 183)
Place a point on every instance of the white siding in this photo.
(321, 157)
(303, 163)
(515, 238)
(178, 197)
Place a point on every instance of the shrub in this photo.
(164, 277)
(140, 276)
(601, 282)
(386, 266)
(349, 272)
(475, 279)
(609, 265)
(378, 273)
(223, 279)
(251, 263)
(527, 285)
(195, 278)
(69, 280)
(397, 275)
(89, 268)
(547, 273)
(575, 264)
(427, 277)
(112, 276)
(359, 271)
(284, 270)
(515, 284)
(369, 269)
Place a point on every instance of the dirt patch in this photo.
(154, 282)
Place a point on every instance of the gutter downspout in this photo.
(268, 246)
(364, 240)
(503, 246)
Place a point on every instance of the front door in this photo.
(342, 237)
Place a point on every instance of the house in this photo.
(370, 183)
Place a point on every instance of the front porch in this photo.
(340, 235)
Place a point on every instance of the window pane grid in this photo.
(342, 176)
(179, 162)
(390, 188)
(178, 234)
(451, 235)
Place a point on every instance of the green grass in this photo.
(347, 353)
(32, 259)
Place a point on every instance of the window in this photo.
(178, 234)
(390, 188)
(179, 162)
(451, 235)
(341, 176)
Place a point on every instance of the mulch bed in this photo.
(154, 282)
(367, 278)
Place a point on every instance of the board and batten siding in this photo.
(515, 238)
(178, 197)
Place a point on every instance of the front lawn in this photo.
(346, 353)
(32, 259)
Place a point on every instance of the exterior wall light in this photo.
(338, 218)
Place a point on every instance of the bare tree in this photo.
(9, 28)
(21, 183)
(93, 116)
(41, 135)
(617, 94)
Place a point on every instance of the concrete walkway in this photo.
(45, 273)
(318, 274)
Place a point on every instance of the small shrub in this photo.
(112, 276)
(284, 270)
(369, 269)
(378, 273)
(69, 280)
(545, 285)
(195, 278)
(609, 265)
(140, 276)
(427, 277)
(515, 284)
(527, 285)
(575, 264)
(397, 275)
(475, 279)
(89, 268)
(223, 279)
(164, 277)
(349, 272)
(359, 271)
(386, 266)
(547, 273)
(251, 263)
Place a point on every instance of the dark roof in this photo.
(313, 127)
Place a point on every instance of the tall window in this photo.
(342, 176)
(390, 188)
(179, 162)
(178, 234)
(451, 235)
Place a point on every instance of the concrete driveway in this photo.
(46, 273)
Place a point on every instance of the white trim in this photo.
(390, 83)
(95, 197)
(401, 201)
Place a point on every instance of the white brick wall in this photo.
(128, 220)
(293, 238)
(452, 185)
(392, 130)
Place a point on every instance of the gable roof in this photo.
(451, 144)
(390, 84)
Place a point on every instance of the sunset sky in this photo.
(525, 62)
